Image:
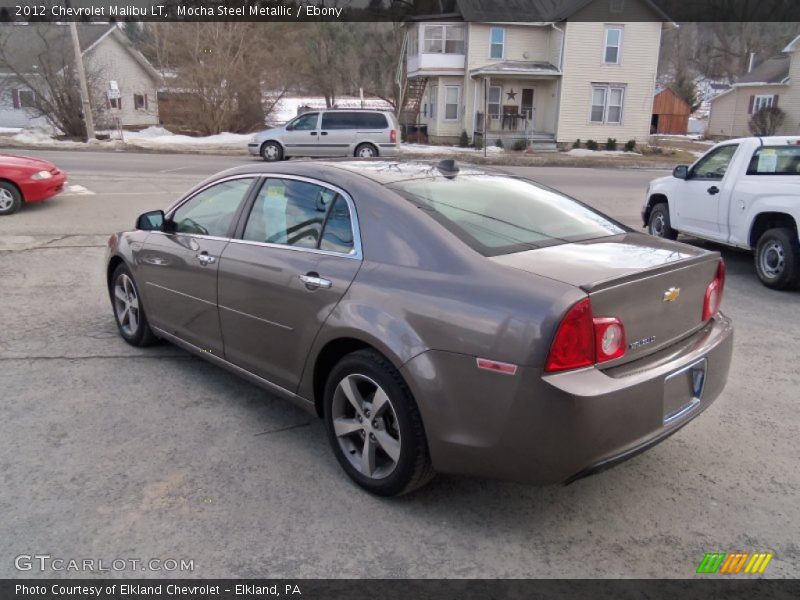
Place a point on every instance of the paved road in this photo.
(107, 451)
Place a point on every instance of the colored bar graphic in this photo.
(735, 563)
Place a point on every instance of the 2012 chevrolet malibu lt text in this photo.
(437, 319)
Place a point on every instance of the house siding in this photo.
(584, 66)
(520, 40)
(111, 60)
(16, 117)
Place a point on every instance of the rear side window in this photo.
(353, 120)
(775, 160)
(293, 213)
(499, 215)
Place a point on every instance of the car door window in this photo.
(211, 212)
(337, 235)
(306, 122)
(289, 212)
(714, 164)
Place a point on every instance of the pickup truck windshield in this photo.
(498, 215)
(775, 160)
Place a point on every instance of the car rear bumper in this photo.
(387, 149)
(36, 191)
(560, 427)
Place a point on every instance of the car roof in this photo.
(382, 171)
(766, 139)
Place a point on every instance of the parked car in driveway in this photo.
(437, 318)
(743, 193)
(334, 132)
(26, 179)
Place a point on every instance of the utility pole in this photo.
(84, 88)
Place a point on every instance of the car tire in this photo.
(126, 303)
(383, 449)
(366, 151)
(658, 223)
(271, 152)
(777, 259)
(10, 198)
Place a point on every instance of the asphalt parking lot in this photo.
(111, 452)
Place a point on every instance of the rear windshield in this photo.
(775, 160)
(353, 120)
(500, 215)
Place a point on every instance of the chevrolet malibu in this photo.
(437, 318)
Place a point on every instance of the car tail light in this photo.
(393, 136)
(582, 340)
(713, 297)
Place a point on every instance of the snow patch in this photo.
(429, 149)
(587, 152)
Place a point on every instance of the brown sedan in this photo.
(437, 318)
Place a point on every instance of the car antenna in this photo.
(448, 167)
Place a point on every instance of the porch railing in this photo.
(524, 121)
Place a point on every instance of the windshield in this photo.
(498, 215)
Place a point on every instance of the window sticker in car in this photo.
(767, 160)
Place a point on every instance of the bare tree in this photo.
(766, 121)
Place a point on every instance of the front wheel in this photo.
(778, 259)
(128, 310)
(374, 426)
(658, 224)
(10, 198)
(271, 152)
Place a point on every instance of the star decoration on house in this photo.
(512, 95)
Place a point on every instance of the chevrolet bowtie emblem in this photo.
(672, 294)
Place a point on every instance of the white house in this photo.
(111, 61)
(574, 69)
(775, 82)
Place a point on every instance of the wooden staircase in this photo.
(414, 91)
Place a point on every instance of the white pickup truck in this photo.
(744, 193)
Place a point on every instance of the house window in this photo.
(452, 96)
(433, 100)
(613, 45)
(446, 39)
(497, 42)
(140, 101)
(762, 101)
(493, 103)
(27, 99)
(607, 104)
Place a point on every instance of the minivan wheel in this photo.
(374, 426)
(366, 151)
(128, 309)
(777, 259)
(658, 224)
(10, 198)
(271, 151)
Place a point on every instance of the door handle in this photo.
(713, 190)
(313, 281)
(313, 133)
(204, 259)
(323, 133)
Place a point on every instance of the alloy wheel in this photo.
(126, 305)
(6, 199)
(657, 225)
(366, 427)
(366, 152)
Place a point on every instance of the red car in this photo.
(27, 179)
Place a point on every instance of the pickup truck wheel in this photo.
(778, 259)
(658, 223)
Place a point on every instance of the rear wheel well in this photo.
(651, 202)
(15, 186)
(770, 220)
(112, 266)
(331, 354)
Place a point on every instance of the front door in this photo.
(526, 106)
(696, 204)
(301, 136)
(179, 268)
(281, 278)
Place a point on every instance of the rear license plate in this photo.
(683, 390)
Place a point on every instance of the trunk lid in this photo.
(654, 286)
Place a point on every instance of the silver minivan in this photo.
(335, 132)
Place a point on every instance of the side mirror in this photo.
(151, 221)
(289, 127)
(681, 172)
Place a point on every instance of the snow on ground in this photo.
(9, 130)
(155, 137)
(587, 152)
(426, 149)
